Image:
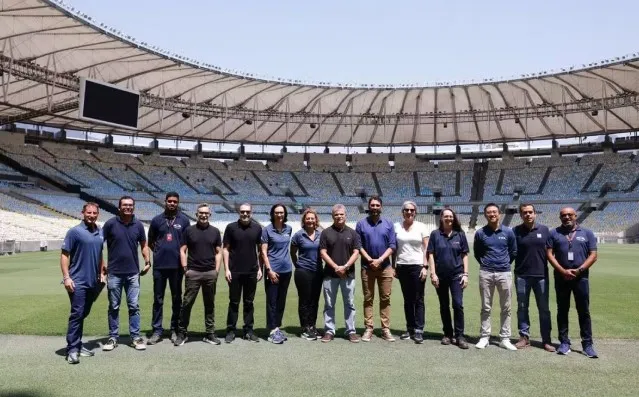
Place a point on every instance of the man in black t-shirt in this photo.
(339, 248)
(242, 240)
(203, 243)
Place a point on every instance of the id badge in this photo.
(169, 237)
(571, 256)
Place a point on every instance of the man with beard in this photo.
(572, 250)
(242, 240)
(164, 238)
(379, 241)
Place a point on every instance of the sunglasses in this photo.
(408, 210)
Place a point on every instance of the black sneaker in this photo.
(418, 338)
(212, 339)
(230, 337)
(309, 334)
(250, 336)
(173, 336)
(84, 352)
(154, 339)
(316, 333)
(406, 335)
(180, 339)
(73, 358)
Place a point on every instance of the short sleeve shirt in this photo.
(583, 242)
(339, 245)
(122, 245)
(84, 247)
(531, 251)
(242, 243)
(201, 243)
(409, 243)
(376, 238)
(308, 257)
(278, 247)
(448, 252)
(165, 235)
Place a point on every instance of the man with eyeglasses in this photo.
(241, 244)
(200, 258)
(572, 250)
(165, 238)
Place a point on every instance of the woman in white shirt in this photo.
(411, 269)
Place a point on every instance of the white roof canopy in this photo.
(46, 48)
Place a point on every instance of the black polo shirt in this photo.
(243, 241)
(339, 245)
(531, 251)
(165, 237)
(448, 253)
(201, 242)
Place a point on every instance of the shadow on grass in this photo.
(95, 344)
(21, 393)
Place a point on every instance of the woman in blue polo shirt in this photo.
(448, 256)
(276, 238)
(308, 272)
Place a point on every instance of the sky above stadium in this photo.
(381, 42)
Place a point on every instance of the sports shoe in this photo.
(250, 336)
(180, 339)
(327, 337)
(368, 335)
(211, 339)
(84, 352)
(590, 352)
(523, 342)
(173, 336)
(316, 333)
(276, 337)
(353, 337)
(230, 337)
(483, 342)
(507, 344)
(284, 335)
(418, 338)
(308, 334)
(549, 348)
(154, 339)
(73, 358)
(564, 348)
(110, 345)
(386, 335)
(461, 342)
(139, 344)
(446, 340)
(406, 335)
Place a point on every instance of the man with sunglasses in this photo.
(242, 240)
(200, 257)
(572, 250)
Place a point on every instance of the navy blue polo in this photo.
(122, 245)
(583, 242)
(531, 251)
(376, 238)
(308, 257)
(85, 252)
(278, 251)
(165, 237)
(495, 249)
(448, 252)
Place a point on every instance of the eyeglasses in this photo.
(204, 213)
(245, 212)
(408, 210)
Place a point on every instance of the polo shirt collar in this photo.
(369, 219)
(452, 234)
(274, 229)
(499, 228)
(535, 227)
(120, 220)
(177, 214)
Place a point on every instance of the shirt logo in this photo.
(538, 235)
(177, 226)
(502, 237)
(580, 238)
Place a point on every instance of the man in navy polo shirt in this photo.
(531, 273)
(379, 241)
(495, 248)
(81, 264)
(164, 238)
(572, 250)
(123, 234)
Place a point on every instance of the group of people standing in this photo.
(324, 260)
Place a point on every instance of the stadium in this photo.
(554, 139)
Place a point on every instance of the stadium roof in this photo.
(46, 46)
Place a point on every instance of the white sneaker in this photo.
(483, 342)
(507, 344)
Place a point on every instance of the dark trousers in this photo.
(193, 281)
(580, 288)
(82, 299)
(160, 278)
(241, 286)
(309, 288)
(539, 285)
(276, 299)
(413, 290)
(452, 285)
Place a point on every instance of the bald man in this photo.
(572, 250)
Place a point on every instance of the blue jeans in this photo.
(330, 286)
(82, 299)
(131, 285)
(539, 286)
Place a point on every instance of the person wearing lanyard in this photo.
(572, 250)
(411, 268)
(164, 239)
(276, 239)
(448, 257)
(308, 272)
